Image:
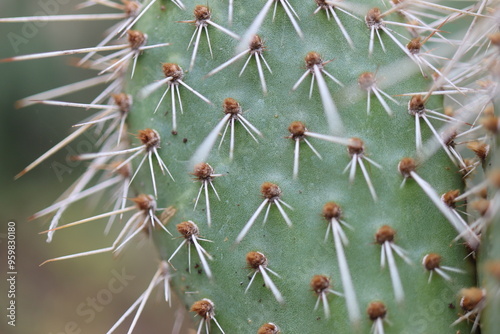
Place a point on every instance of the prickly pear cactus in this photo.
(314, 159)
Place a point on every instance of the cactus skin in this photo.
(299, 252)
(489, 259)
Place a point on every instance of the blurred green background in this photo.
(48, 297)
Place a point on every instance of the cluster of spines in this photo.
(150, 138)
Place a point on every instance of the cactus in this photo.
(229, 134)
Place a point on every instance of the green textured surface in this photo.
(491, 283)
(490, 252)
(299, 252)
